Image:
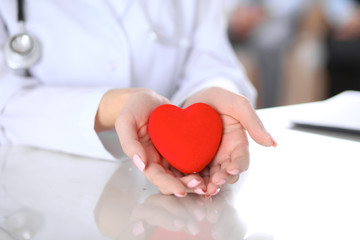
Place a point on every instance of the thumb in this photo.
(252, 123)
(239, 108)
(242, 110)
(127, 130)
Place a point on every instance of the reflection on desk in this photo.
(306, 188)
(155, 216)
(48, 195)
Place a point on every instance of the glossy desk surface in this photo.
(306, 188)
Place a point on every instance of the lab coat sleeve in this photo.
(58, 118)
(212, 62)
(55, 118)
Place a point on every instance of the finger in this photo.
(205, 174)
(241, 109)
(181, 208)
(232, 179)
(157, 216)
(212, 189)
(246, 115)
(229, 170)
(239, 160)
(222, 178)
(192, 181)
(195, 206)
(131, 124)
(171, 204)
(217, 179)
(126, 128)
(217, 176)
(233, 227)
(166, 183)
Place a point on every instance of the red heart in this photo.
(187, 138)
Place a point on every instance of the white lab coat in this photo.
(89, 47)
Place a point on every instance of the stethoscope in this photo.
(176, 38)
(22, 50)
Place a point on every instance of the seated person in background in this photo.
(343, 45)
(263, 31)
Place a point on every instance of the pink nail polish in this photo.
(138, 162)
(193, 183)
(216, 192)
(199, 191)
(221, 182)
(180, 194)
(274, 142)
(234, 172)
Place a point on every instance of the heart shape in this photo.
(187, 138)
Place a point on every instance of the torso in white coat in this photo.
(88, 45)
(101, 43)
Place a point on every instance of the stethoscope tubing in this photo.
(20, 11)
(25, 56)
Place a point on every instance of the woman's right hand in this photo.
(132, 129)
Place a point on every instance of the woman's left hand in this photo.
(238, 116)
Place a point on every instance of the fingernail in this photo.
(138, 162)
(221, 182)
(274, 142)
(207, 196)
(199, 191)
(138, 229)
(216, 192)
(180, 194)
(234, 172)
(193, 183)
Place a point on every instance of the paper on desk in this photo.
(341, 112)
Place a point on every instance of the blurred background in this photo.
(297, 51)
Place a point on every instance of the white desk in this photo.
(306, 188)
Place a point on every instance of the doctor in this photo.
(106, 64)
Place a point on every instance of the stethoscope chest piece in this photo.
(22, 51)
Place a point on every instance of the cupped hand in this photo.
(238, 117)
(132, 129)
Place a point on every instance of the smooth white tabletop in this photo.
(306, 188)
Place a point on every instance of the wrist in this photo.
(110, 107)
(204, 95)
